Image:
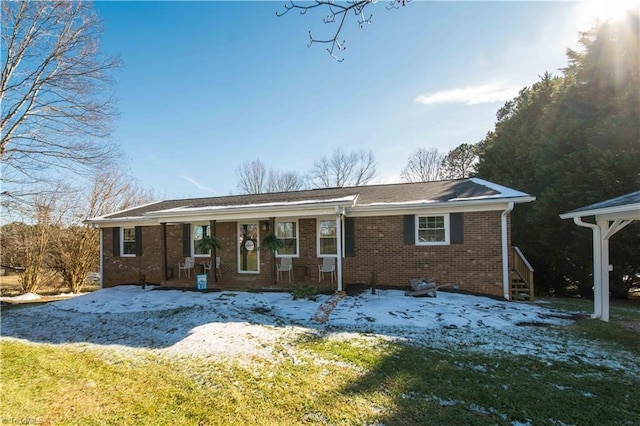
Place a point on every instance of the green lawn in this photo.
(358, 381)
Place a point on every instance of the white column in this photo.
(505, 252)
(339, 247)
(101, 259)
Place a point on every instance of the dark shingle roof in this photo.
(621, 201)
(438, 191)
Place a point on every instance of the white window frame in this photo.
(297, 225)
(447, 231)
(122, 241)
(318, 221)
(193, 239)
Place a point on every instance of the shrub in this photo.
(305, 292)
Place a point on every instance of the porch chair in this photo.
(328, 266)
(207, 266)
(188, 264)
(286, 265)
(218, 267)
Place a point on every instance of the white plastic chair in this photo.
(328, 266)
(188, 264)
(286, 265)
(207, 266)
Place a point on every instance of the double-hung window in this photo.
(199, 232)
(287, 232)
(128, 242)
(432, 230)
(327, 238)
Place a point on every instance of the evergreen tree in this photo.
(571, 141)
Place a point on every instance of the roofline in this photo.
(153, 218)
(90, 220)
(601, 211)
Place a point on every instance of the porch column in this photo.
(339, 248)
(214, 268)
(163, 256)
(607, 229)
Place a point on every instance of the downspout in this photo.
(101, 260)
(505, 251)
(597, 261)
(339, 247)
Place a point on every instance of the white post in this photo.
(505, 251)
(597, 261)
(603, 224)
(339, 247)
(101, 260)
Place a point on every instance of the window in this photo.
(432, 230)
(287, 232)
(327, 238)
(199, 232)
(128, 239)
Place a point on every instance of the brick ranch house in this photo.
(455, 231)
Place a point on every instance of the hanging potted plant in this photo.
(272, 243)
(210, 243)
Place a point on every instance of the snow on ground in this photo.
(244, 326)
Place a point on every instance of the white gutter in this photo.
(439, 204)
(101, 260)
(601, 211)
(505, 251)
(339, 247)
(597, 262)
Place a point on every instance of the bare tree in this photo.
(35, 243)
(54, 91)
(343, 169)
(460, 162)
(336, 14)
(424, 165)
(76, 249)
(284, 181)
(252, 177)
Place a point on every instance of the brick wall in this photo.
(474, 265)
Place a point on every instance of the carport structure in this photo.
(610, 217)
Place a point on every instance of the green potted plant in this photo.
(210, 243)
(272, 243)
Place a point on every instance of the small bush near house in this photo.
(305, 292)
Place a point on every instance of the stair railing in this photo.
(523, 268)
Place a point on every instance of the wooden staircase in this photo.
(521, 277)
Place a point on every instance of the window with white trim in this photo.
(128, 241)
(327, 238)
(432, 230)
(199, 232)
(287, 232)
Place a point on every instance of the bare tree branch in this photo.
(55, 92)
(252, 177)
(424, 165)
(337, 13)
(342, 169)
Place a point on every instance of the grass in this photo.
(362, 380)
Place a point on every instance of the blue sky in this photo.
(208, 85)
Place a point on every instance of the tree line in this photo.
(341, 169)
